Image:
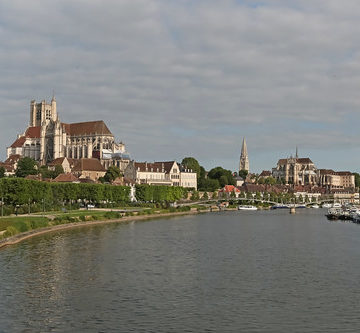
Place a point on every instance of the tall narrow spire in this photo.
(244, 157)
(296, 154)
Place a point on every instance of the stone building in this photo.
(161, 173)
(47, 139)
(88, 168)
(297, 171)
(335, 179)
(244, 157)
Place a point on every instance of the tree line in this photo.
(19, 191)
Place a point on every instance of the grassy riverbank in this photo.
(12, 226)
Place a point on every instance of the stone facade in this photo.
(244, 157)
(302, 171)
(297, 171)
(161, 173)
(47, 139)
(336, 179)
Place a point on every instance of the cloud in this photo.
(180, 78)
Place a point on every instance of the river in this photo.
(264, 271)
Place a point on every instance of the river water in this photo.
(265, 271)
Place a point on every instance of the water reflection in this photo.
(222, 272)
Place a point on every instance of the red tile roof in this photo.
(18, 142)
(13, 159)
(265, 173)
(88, 164)
(66, 178)
(229, 189)
(87, 128)
(33, 132)
(332, 172)
(344, 173)
(298, 160)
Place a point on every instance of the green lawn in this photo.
(35, 221)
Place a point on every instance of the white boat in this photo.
(326, 205)
(336, 205)
(247, 207)
(315, 206)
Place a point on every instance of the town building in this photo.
(229, 191)
(161, 173)
(331, 179)
(265, 174)
(244, 157)
(47, 138)
(88, 168)
(296, 171)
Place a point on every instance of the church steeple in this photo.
(244, 157)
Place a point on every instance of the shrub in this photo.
(11, 231)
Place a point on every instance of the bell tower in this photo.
(42, 112)
(244, 157)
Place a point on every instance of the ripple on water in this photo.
(223, 272)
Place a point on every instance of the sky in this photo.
(178, 78)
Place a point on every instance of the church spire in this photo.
(244, 157)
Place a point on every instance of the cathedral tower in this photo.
(42, 112)
(244, 158)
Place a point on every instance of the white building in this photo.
(161, 173)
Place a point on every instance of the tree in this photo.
(223, 180)
(224, 177)
(193, 164)
(261, 181)
(2, 172)
(195, 195)
(112, 173)
(205, 196)
(270, 180)
(45, 172)
(243, 174)
(26, 166)
(58, 170)
(209, 184)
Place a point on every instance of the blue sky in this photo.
(191, 78)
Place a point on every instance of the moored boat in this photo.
(280, 206)
(334, 213)
(315, 206)
(247, 207)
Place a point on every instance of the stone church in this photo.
(47, 139)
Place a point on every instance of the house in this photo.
(89, 168)
(66, 178)
(229, 190)
(168, 173)
(66, 163)
(265, 174)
